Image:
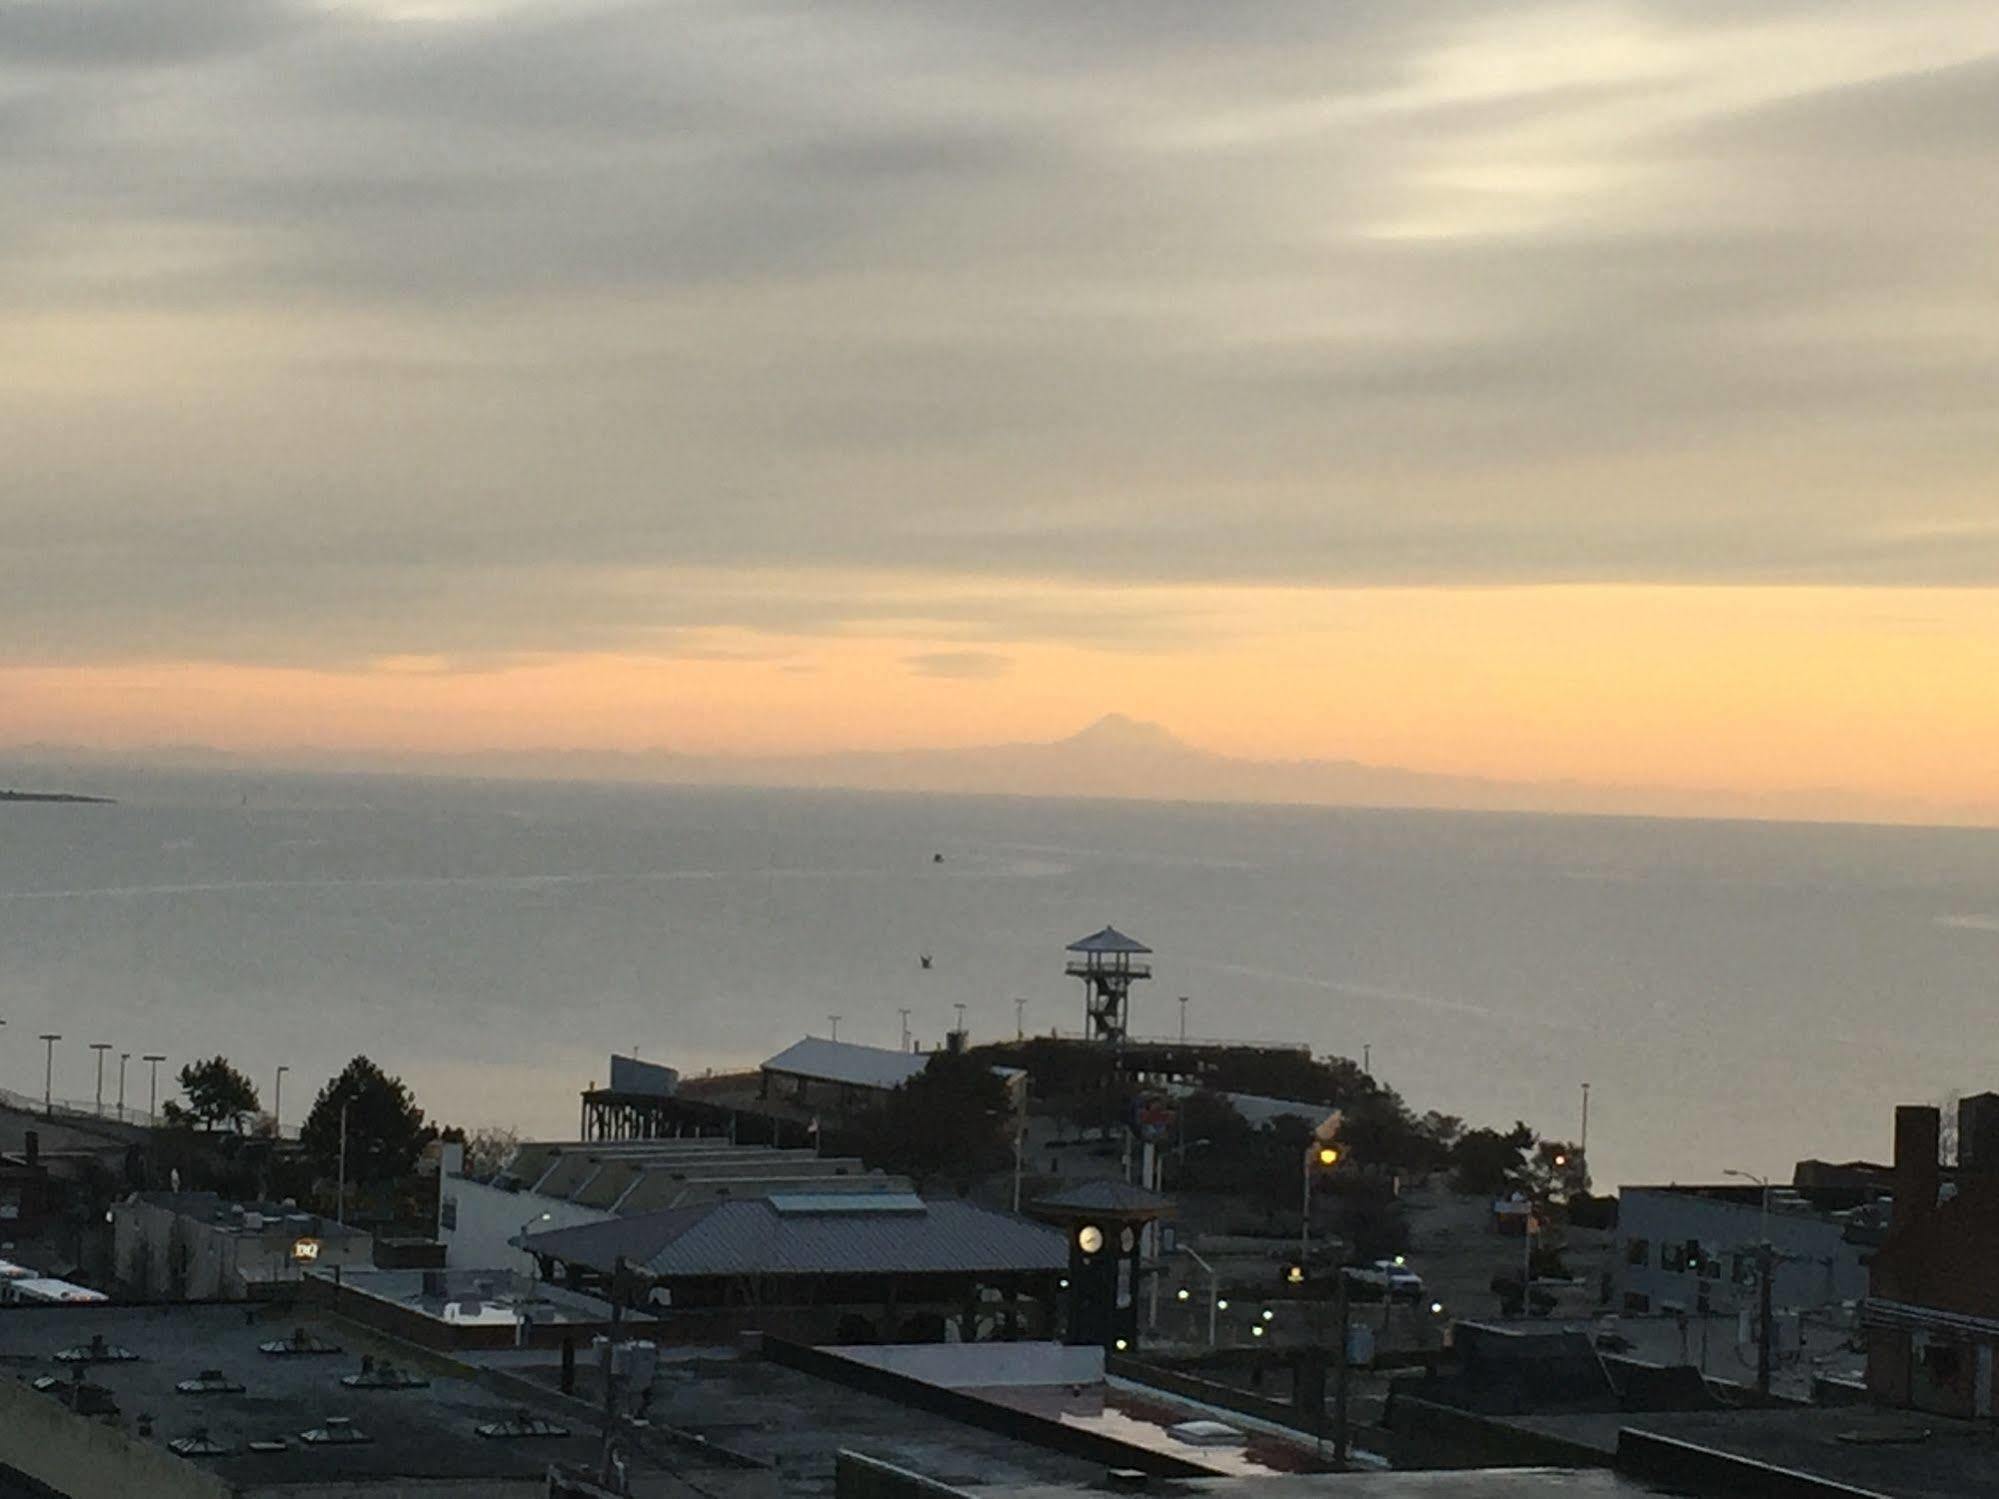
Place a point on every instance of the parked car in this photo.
(1392, 1278)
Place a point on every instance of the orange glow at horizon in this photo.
(1876, 690)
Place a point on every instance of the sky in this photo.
(1595, 391)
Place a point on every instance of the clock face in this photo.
(1089, 1238)
(1126, 1240)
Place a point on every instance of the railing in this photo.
(87, 1110)
(1239, 1043)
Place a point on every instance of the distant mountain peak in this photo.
(1118, 731)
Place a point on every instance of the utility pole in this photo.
(1020, 1143)
(123, 1058)
(49, 1039)
(1367, 1059)
(1020, 1020)
(619, 1280)
(1766, 1263)
(1582, 1145)
(340, 1202)
(153, 1059)
(1340, 1318)
(904, 1013)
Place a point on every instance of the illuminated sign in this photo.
(305, 1250)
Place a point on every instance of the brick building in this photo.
(1932, 1313)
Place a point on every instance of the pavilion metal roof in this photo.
(893, 1234)
(1109, 940)
(846, 1062)
(1106, 1196)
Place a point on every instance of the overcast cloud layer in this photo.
(336, 330)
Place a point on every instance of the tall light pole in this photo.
(1318, 1154)
(49, 1039)
(1582, 1145)
(278, 1103)
(1020, 1020)
(904, 1013)
(100, 1047)
(123, 1058)
(340, 1202)
(1763, 1223)
(961, 1020)
(834, 1021)
(153, 1060)
(1183, 1020)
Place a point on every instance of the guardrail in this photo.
(87, 1111)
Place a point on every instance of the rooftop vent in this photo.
(384, 1376)
(209, 1382)
(198, 1443)
(268, 1444)
(300, 1344)
(96, 1351)
(337, 1432)
(521, 1424)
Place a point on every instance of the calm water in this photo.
(1737, 994)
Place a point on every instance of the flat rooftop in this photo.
(480, 1296)
(428, 1432)
(1479, 1483)
(1901, 1454)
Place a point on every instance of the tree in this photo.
(1485, 1162)
(385, 1128)
(948, 1120)
(216, 1094)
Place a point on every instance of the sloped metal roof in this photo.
(845, 1062)
(1106, 1196)
(1109, 940)
(754, 1238)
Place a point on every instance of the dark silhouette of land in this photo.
(53, 796)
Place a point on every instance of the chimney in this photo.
(1917, 1138)
(32, 1145)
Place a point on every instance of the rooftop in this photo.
(893, 1234)
(642, 1176)
(426, 1431)
(1109, 940)
(477, 1296)
(1108, 1196)
(846, 1062)
(247, 1218)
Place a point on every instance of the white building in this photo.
(1693, 1248)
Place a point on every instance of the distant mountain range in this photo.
(1116, 757)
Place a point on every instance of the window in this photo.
(447, 1213)
(1638, 1252)
(1673, 1257)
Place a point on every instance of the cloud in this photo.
(348, 330)
(963, 666)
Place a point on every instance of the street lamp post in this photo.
(904, 1013)
(123, 1058)
(1582, 1145)
(278, 1103)
(1183, 1020)
(1763, 1220)
(1214, 1291)
(834, 1022)
(49, 1039)
(1317, 1154)
(1020, 1020)
(100, 1047)
(340, 1200)
(153, 1059)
